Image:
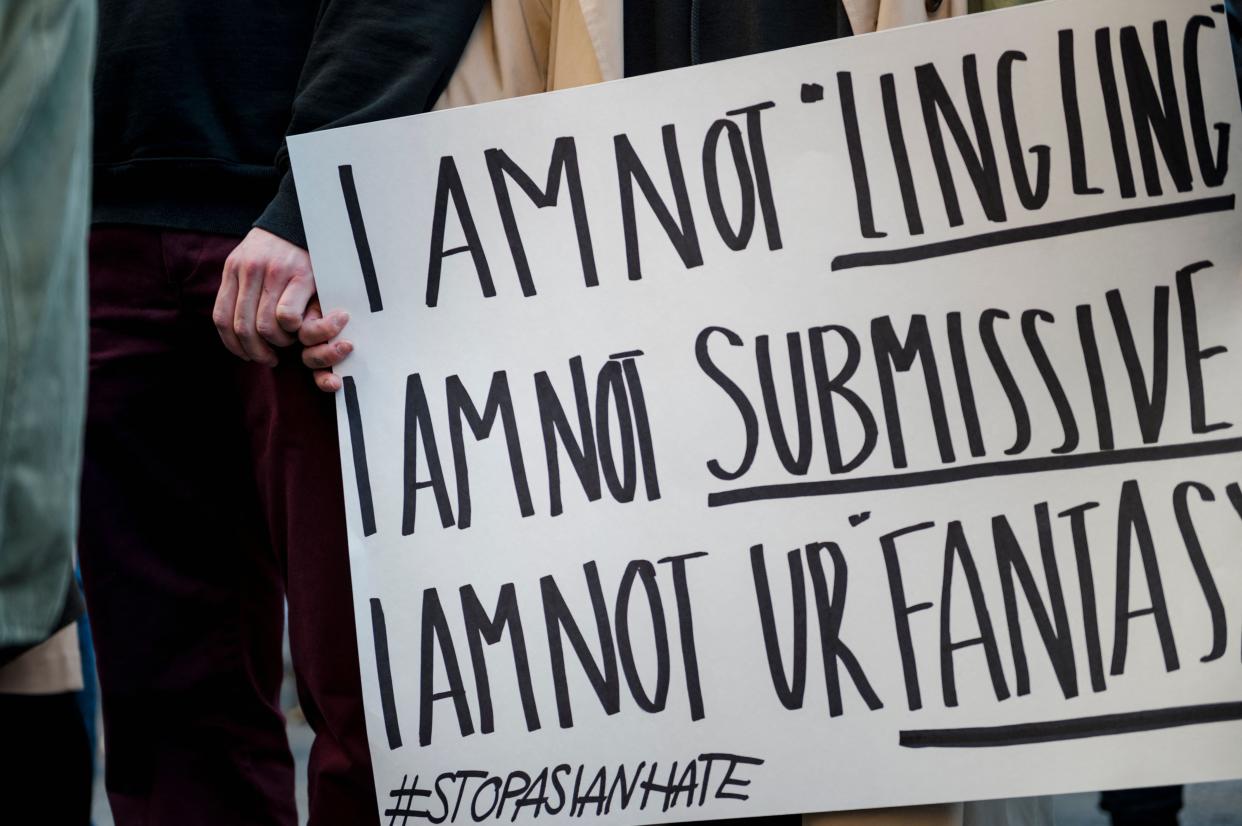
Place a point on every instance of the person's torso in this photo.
(199, 82)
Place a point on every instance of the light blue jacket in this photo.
(46, 49)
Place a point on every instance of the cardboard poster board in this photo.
(848, 426)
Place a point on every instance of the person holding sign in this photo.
(211, 488)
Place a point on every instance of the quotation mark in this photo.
(812, 93)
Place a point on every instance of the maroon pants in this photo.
(211, 493)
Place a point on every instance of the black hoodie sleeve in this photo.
(369, 60)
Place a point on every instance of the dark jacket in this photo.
(193, 99)
(670, 34)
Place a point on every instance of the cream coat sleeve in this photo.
(521, 47)
(876, 15)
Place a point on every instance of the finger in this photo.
(223, 311)
(313, 311)
(327, 381)
(266, 324)
(294, 301)
(250, 284)
(326, 355)
(319, 330)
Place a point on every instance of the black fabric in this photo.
(46, 760)
(1157, 806)
(193, 99)
(670, 34)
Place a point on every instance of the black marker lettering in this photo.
(1031, 196)
(680, 230)
(436, 634)
(790, 692)
(448, 184)
(1132, 523)
(1203, 571)
(750, 421)
(461, 407)
(979, 157)
(1195, 355)
(418, 428)
(956, 550)
(481, 628)
(501, 168)
(891, 354)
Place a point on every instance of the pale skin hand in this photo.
(267, 299)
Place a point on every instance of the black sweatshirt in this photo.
(193, 98)
(670, 34)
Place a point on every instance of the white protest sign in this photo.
(848, 426)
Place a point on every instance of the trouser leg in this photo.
(293, 430)
(184, 590)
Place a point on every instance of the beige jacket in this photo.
(875, 15)
(522, 47)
